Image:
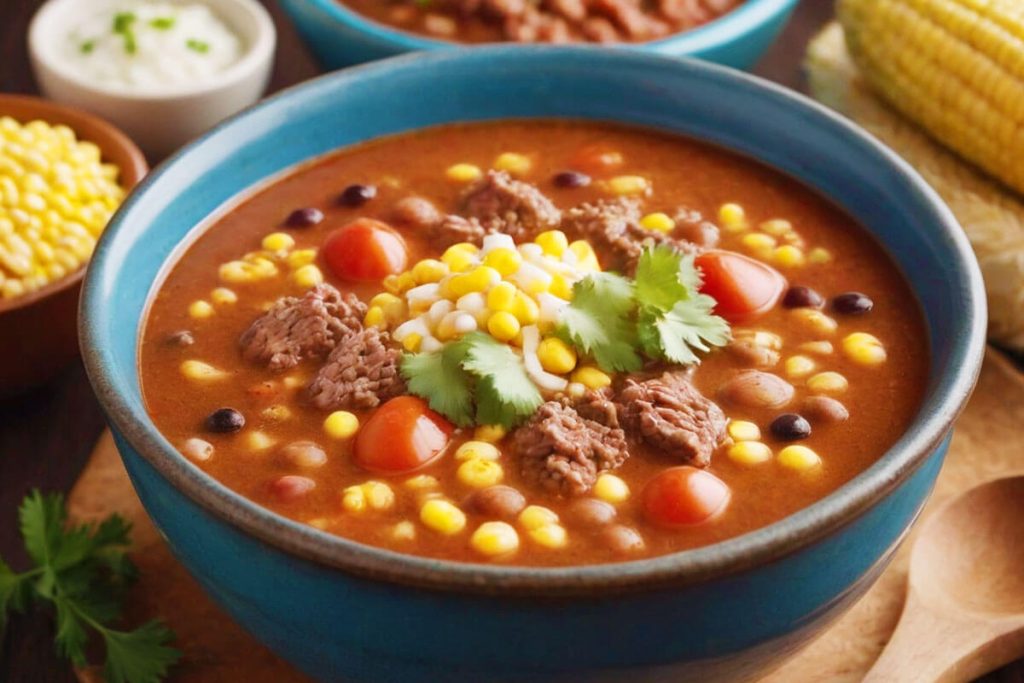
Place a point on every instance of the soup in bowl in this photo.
(553, 371)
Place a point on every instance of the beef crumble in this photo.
(500, 203)
(361, 372)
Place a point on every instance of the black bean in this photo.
(304, 218)
(225, 420)
(802, 297)
(181, 338)
(357, 195)
(791, 427)
(571, 179)
(852, 303)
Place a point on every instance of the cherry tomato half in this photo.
(365, 250)
(682, 496)
(742, 287)
(403, 435)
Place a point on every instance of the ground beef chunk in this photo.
(562, 451)
(502, 204)
(597, 405)
(671, 414)
(308, 326)
(613, 228)
(630, 18)
(453, 229)
(361, 372)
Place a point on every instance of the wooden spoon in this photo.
(964, 614)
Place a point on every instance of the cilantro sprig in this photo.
(83, 571)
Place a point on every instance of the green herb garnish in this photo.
(162, 23)
(123, 22)
(83, 571)
(200, 46)
(88, 46)
(599, 321)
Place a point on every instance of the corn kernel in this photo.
(442, 517)
(479, 473)
(816, 320)
(561, 287)
(374, 317)
(278, 241)
(235, 272)
(788, 256)
(827, 383)
(516, 164)
(403, 531)
(503, 326)
(777, 227)
(759, 244)
(586, 259)
(480, 279)
(276, 413)
(341, 424)
(428, 271)
(412, 342)
(629, 185)
(494, 538)
(458, 260)
(864, 349)
(741, 430)
(259, 441)
(537, 516)
(223, 296)
(198, 370)
(477, 450)
(556, 356)
(464, 173)
(502, 296)
(379, 495)
(591, 377)
(821, 348)
(525, 309)
(200, 309)
(353, 499)
(799, 366)
(308, 276)
(819, 255)
(800, 458)
(611, 489)
(421, 482)
(489, 433)
(300, 257)
(550, 536)
(732, 217)
(659, 222)
(553, 242)
(504, 260)
(294, 382)
(749, 453)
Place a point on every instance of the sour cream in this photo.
(149, 47)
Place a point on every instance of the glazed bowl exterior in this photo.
(340, 37)
(343, 611)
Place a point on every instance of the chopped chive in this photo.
(200, 46)
(88, 46)
(129, 43)
(123, 21)
(162, 23)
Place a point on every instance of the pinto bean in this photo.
(824, 409)
(756, 389)
(591, 511)
(498, 502)
(622, 540)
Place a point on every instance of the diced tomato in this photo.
(683, 496)
(743, 287)
(596, 159)
(403, 435)
(365, 250)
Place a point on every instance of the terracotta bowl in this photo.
(38, 334)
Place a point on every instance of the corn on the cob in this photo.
(956, 67)
(992, 217)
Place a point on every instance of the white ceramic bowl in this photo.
(159, 122)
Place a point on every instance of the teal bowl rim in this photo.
(731, 556)
(736, 24)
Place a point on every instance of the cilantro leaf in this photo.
(15, 592)
(505, 394)
(71, 635)
(659, 278)
(689, 326)
(139, 656)
(597, 322)
(439, 378)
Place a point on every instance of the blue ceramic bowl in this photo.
(343, 611)
(341, 37)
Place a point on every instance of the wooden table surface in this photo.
(46, 436)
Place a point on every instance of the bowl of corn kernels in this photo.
(63, 173)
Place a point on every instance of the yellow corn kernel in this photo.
(591, 377)
(341, 424)
(503, 326)
(294, 382)
(827, 383)
(494, 538)
(629, 185)
(556, 356)
(412, 342)
(200, 309)
(525, 309)
(374, 317)
(502, 297)
(259, 441)
(788, 256)
(777, 227)
(800, 458)
(749, 452)
(278, 241)
(399, 284)
(479, 473)
(819, 255)
(458, 260)
(732, 217)
(480, 279)
(200, 371)
(553, 242)
(561, 287)
(799, 366)
(864, 348)
(223, 296)
(816, 320)
(477, 450)
(658, 221)
(741, 430)
(379, 495)
(504, 260)
(442, 516)
(586, 259)
(489, 433)
(235, 272)
(421, 482)
(550, 536)
(537, 516)
(403, 531)
(428, 271)
(353, 499)
(611, 489)
(516, 164)
(300, 257)
(463, 173)
(308, 276)
(821, 348)
(759, 244)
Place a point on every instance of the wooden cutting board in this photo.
(987, 444)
